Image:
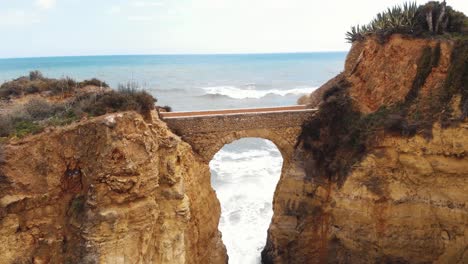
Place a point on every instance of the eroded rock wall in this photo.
(405, 198)
(115, 189)
(405, 202)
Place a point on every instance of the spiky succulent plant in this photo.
(409, 18)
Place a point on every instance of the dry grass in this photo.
(36, 83)
(40, 111)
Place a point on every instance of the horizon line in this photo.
(174, 54)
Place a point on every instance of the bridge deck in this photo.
(223, 112)
(187, 123)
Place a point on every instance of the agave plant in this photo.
(395, 19)
(410, 11)
(354, 34)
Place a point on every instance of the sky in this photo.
(39, 28)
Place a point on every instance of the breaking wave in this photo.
(245, 180)
(250, 93)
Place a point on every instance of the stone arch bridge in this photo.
(208, 131)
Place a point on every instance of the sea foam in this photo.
(249, 91)
(245, 182)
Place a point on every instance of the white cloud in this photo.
(46, 4)
(17, 18)
(140, 18)
(114, 10)
(146, 3)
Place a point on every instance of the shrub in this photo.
(94, 82)
(33, 116)
(433, 18)
(334, 136)
(77, 207)
(32, 89)
(6, 126)
(2, 153)
(39, 109)
(124, 99)
(36, 83)
(35, 75)
(64, 118)
(166, 108)
(62, 86)
(8, 90)
(24, 128)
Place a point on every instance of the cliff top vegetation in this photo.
(431, 19)
(36, 83)
(31, 103)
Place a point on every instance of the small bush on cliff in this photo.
(35, 83)
(433, 18)
(93, 82)
(165, 108)
(36, 75)
(24, 127)
(333, 135)
(33, 116)
(2, 154)
(126, 98)
(456, 82)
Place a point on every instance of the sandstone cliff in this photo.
(114, 189)
(381, 173)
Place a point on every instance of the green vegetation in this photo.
(2, 155)
(333, 135)
(165, 108)
(36, 83)
(457, 78)
(25, 127)
(94, 82)
(428, 60)
(433, 18)
(126, 98)
(41, 111)
(77, 208)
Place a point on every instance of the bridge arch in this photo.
(282, 139)
(208, 131)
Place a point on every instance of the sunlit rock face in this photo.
(115, 189)
(404, 200)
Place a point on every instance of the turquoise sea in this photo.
(189, 82)
(193, 82)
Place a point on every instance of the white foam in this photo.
(247, 181)
(250, 91)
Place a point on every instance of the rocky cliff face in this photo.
(380, 193)
(115, 189)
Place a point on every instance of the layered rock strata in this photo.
(405, 199)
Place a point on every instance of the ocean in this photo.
(245, 172)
